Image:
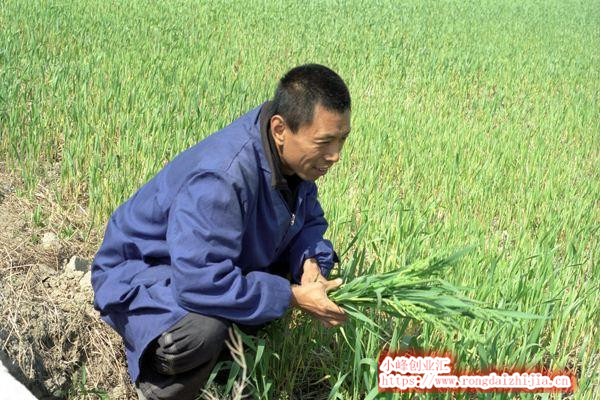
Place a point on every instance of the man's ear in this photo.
(278, 128)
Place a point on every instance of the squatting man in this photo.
(229, 232)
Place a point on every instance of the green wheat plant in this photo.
(418, 292)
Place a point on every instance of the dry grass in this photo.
(50, 329)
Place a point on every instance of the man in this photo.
(202, 244)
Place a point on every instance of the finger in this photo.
(336, 316)
(334, 322)
(331, 308)
(331, 285)
(306, 279)
(325, 313)
(325, 324)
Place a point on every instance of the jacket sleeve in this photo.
(309, 242)
(204, 236)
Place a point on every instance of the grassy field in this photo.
(472, 123)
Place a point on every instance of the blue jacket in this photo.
(200, 236)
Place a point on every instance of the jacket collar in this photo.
(278, 180)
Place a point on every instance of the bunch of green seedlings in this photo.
(417, 292)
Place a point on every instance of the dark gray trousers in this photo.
(177, 364)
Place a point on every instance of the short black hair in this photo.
(305, 86)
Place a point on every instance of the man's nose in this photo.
(333, 155)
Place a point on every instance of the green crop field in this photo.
(473, 123)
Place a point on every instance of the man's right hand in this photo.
(312, 298)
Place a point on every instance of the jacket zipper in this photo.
(292, 215)
(292, 221)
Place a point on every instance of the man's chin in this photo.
(305, 177)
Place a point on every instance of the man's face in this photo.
(315, 147)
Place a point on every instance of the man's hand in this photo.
(312, 272)
(312, 298)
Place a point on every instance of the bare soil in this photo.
(51, 333)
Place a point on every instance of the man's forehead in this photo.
(333, 135)
(331, 124)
